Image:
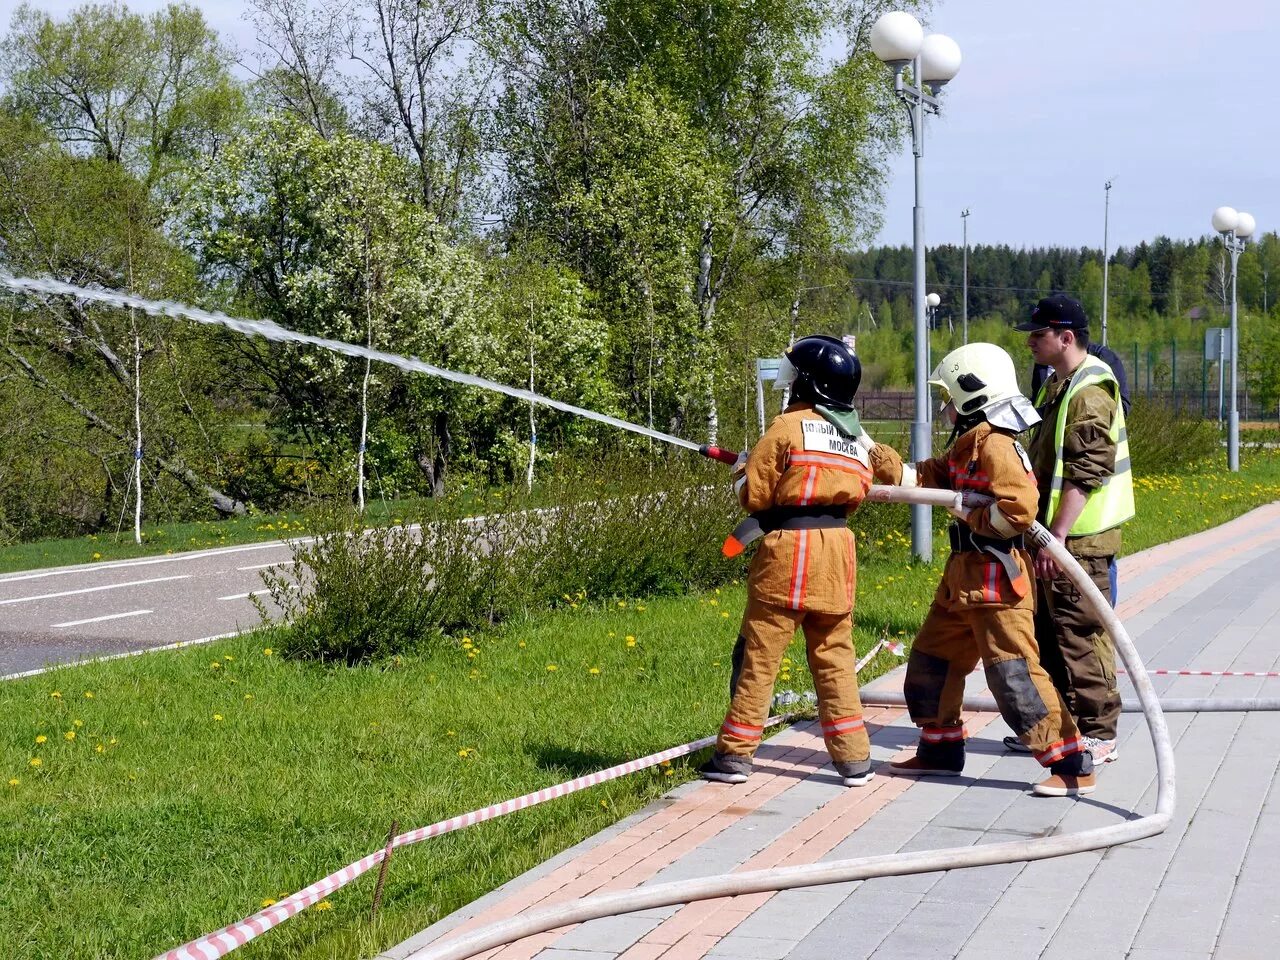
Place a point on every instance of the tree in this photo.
(146, 92)
(326, 237)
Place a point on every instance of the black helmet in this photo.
(827, 371)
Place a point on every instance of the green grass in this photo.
(159, 822)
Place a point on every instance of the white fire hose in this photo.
(888, 865)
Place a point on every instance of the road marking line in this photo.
(263, 566)
(109, 586)
(118, 656)
(109, 616)
(245, 596)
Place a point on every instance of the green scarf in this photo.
(846, 421)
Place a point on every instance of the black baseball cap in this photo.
(1056, 312)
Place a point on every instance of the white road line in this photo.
(109, 586)
(109, 616)
(263, 566)
(245, 596)
(117, 656)
(168, 558)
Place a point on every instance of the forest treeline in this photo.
(621, 204)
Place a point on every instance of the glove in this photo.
(971, 499)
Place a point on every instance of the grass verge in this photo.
(201, 782)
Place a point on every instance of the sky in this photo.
(1167, 98)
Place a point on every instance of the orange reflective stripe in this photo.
(842, 725)
(799, 572)
(746, 731)
(1056, 751)
(801, 458)
(943, 734)
(810, 482)
(990, 591)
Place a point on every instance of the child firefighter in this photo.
(799, 483)
(984, 607)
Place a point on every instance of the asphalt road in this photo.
(69, 613)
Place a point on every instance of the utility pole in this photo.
(964, 301)
(1106, 218)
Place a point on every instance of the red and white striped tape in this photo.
(1210, 673)
(219, 944)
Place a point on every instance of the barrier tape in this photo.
(1210, 673)
(219, 944)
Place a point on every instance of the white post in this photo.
(1106, 222)
(533, 426)
(137, 424)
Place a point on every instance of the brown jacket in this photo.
(990, 462)
(802, 460)
(1088, 455)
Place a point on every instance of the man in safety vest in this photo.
(1080, 455)
(799, 483)
(983, 609)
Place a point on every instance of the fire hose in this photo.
(897, 864)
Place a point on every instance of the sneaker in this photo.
(1016, 745)
(1104, 751)
(915, 767)
(1066, 785)
(854, 773)
(726, 769)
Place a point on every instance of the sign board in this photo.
(768, 369)
(1217, 344)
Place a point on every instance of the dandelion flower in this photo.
(97, 556)
(724, 615)
(248, 696)
(267, 652)
(56, 695)
(604, 804)
(88, 694)
(78, 723)
(41, 739)
(594, 671)
(227, 657)
(464, 752)
(14, 781)
(268, 902)
(113, 741)
(521, 644)
(100, 749)
(324, 905)
(69, 735)
(217, 717)
(35, 762)
(215, 665)
(552, 668)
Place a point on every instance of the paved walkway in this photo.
(1203, 889)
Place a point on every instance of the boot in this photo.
(1070, 777)
(932, 759)
(725, 768)
(854, 773)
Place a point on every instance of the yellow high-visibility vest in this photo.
(1111, 504)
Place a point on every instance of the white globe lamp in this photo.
(933, 300)
(939, 59)
(896, 38)
(1225, 219)
(1245, 225)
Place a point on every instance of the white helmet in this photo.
(979, 377)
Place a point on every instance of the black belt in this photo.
(964, 540)
(830, 516)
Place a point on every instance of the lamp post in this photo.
(931, 302)
(1106, 222)
(1235, 228)
(964, 301)
(899, 41)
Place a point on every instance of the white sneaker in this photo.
(1104, 751)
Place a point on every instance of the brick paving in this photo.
(1200, 890)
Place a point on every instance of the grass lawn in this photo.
(176, 792)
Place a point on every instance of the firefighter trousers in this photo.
(950, 644)
(767, 631)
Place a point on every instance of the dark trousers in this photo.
(1077, 653)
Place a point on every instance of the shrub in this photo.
(357, 594)
(1162, 440)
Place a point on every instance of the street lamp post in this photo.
(964, 301)
(1106, 222)
(1235, 228)
(899, 41)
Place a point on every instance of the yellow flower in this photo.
(594, 671)
(88, 694)
(35, 762)
(622, 603)
(227, 657)
(521, 643)
(215, 665)
(14, 781)
(56, 695)
(669, 773)
(41, 739)
(69, 735)
(612, 634)
(248, 696)
(217, 717)
(113, 741)
(552, 668)
(100, 749)
(78, 723)
(631, 641)
(464, 752)
(97, 556)
(604, 804)
(725, 615)
(267, 652)
(471, 654)
(324, 905)
(268, 902)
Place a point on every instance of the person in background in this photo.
(1040, 372)
(1080, 455)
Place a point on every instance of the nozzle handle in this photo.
(719, 453)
